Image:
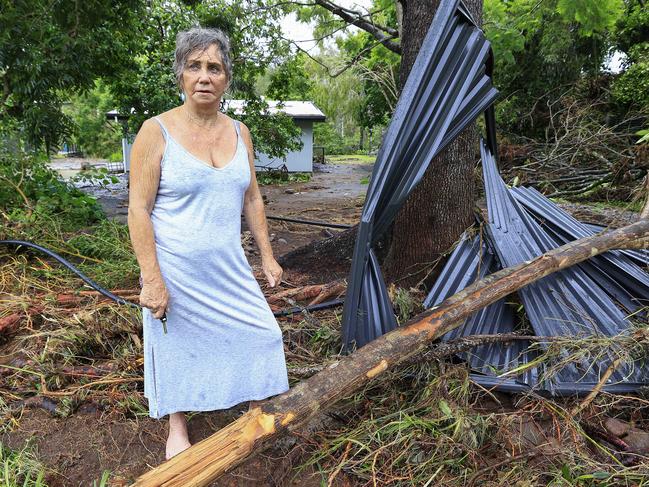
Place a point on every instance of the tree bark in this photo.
(252, 432)
(440, 208)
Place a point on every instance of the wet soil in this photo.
(79, 448)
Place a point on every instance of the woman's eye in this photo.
(193, 67)
(215, 69)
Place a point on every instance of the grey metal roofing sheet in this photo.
(567, 303)
(448, 87)
(612, 269)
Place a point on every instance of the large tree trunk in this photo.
(441, 206)
(252, 432)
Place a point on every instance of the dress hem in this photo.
(228, 405)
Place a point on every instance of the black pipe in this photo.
(108, 294)
(91, 283)
(309, 222)
(315, 307)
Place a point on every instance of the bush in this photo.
(30, 188)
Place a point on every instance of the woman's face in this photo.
(204, 79)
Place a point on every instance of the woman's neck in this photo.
(203, 116)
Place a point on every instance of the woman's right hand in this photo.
(155, 297)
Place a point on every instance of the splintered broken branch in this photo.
(252, 432)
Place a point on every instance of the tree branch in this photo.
(353, 17)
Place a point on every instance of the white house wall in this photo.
(301, 161)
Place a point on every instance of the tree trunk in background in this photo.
(441, 206)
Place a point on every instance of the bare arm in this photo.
(253, 210)
(146, 155)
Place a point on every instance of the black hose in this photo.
(67, 264)
(315, 307)
(309, 222)
(108, 294)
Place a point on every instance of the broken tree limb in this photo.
(331, 290)
(252, 432)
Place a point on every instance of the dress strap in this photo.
(236, 127)
(164, 129)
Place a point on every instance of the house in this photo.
(304, 114)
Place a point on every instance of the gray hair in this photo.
(200, 39)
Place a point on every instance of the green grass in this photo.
(351, 159)
(20, 468)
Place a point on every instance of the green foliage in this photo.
(48, 49)
(93, 134)
(150, 87)
(541, 48)
(631, 88)
(282, 177)
(108, 245)
(20, 468)
(272, 133)
(30, 190)
(326, 135)
(290, 80)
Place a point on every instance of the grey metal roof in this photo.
(568, 303)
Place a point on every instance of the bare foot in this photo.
(178, 439)
(176, 444)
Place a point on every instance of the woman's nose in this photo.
(204, 76)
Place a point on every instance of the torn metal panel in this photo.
(506, 384)
(448, 87)
(568, 303)
(472, 260)
(614, 271)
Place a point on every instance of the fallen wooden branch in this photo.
(10, 323)
(252, 432)
(298, 293)
(437, 351)
(331, 290)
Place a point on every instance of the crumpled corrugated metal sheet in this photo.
(448, 87)
(569, 303)
(472, 260)
(576, 302)
(614, 271)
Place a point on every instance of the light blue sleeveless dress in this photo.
(223, 345)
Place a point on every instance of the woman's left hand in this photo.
(272, 271)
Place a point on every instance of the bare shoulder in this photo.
(149, 142)
(149, 131)
(170, 116)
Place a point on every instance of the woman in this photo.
(192, 171)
